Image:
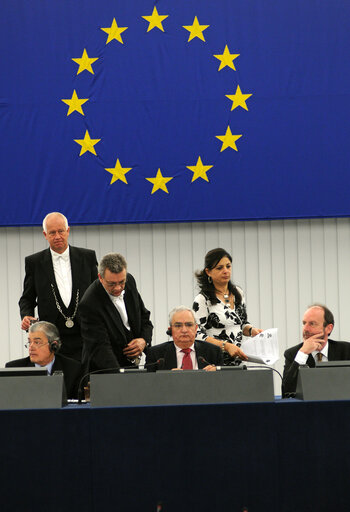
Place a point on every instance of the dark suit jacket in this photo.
(211, 353)
(337, 351)
(39, 275)
(102, 329)
(71, 371)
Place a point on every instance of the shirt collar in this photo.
(56, 256)
(47, 366)
(120, 297)
(179, 349)
(324, 351)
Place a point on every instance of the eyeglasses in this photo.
(179, 325)
(58, 232)
(36, 343)
(121, 284)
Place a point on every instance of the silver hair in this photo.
(114, 262)
(49, 329)
(64, 218)
(177, 310)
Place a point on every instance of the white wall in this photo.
(282, 266)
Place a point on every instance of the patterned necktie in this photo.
(319, 356)
(187, 361)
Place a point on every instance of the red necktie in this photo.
(187, 361)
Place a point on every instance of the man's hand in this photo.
(315, 342)
(134, 348)
(26, 322)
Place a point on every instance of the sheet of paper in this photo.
(263, 347)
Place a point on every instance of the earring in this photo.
(210, 280)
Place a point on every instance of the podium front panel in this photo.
(331, 383)
(181, 387)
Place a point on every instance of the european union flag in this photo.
(164, 111)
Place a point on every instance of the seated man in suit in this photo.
(184, 352)
(115, 324)
(318, 323)
(43, 344)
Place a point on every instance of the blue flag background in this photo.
(157, 101)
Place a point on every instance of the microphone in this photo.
(114, 369)
(160, 363)
(203, 361)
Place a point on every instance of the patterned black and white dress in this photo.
(220, 321)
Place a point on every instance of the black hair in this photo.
(212, 258)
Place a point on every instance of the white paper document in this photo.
(263, 348)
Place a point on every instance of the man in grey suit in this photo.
(184, 353)
(55, 280)
(318, 323)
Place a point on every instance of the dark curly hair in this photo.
(212, 258)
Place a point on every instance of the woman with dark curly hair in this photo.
(220, 306)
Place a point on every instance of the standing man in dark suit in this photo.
(55, 280)
(115, 324)
(184, 353)
(318, 323)
(43, 344)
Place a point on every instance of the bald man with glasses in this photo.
(184, 352)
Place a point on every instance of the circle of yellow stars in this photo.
(155, 20)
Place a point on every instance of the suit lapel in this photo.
(311, 361)
(107, 303)
(48, 267)
(75, 267)
(130, 309)
(199, 348)
(332, 351)
(170, 359)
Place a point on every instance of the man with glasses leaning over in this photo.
(184, 353)
(115, 324)
(43, 344)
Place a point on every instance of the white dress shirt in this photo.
(301, 357)
(63, 274)
(120, 305)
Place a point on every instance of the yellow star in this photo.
(87, 144)
(75, 104)
(159, 182)
(114, 32)
(155, 20)
(196, 30)
(85, 62)
(238, 99)
(227, 59)
(118, 172)
(199, 170)
(228, 140)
